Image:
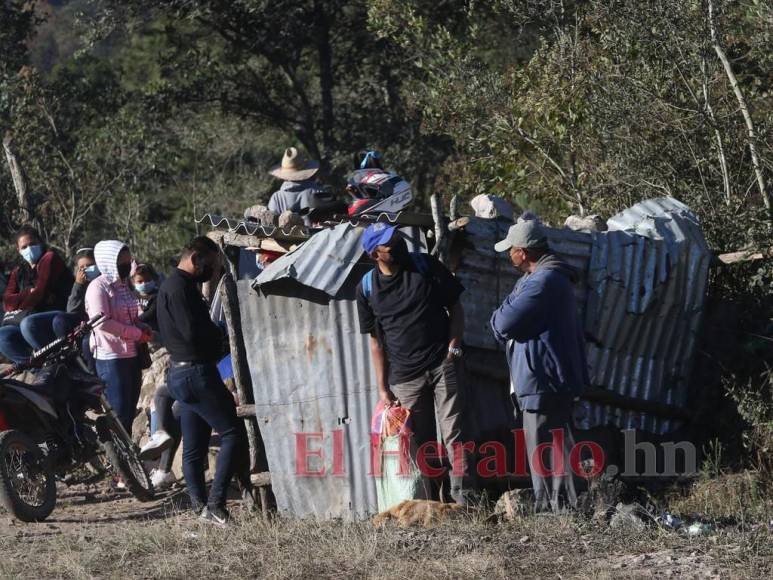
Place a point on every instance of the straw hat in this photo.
(295, 167)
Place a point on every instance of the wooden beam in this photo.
(744, 256)
(245, 410)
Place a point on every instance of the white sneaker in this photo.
(162, 480)
(159, 442)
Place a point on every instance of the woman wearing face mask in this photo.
(85, 271)
(36, 293)
(114, 342)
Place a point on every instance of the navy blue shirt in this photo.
(545, 345)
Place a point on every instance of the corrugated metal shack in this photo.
(641, 296)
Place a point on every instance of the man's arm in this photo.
(381, 367)
(522, 316)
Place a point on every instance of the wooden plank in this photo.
(253, 241)
(744, 256)
(245, 410)
(492, 366)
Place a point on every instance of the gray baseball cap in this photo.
(523, 234)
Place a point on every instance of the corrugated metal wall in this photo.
(311, 373)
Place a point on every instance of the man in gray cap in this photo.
(539, 325)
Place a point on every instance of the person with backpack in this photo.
(409, 305)
(36, 293)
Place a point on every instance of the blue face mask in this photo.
(32, 253)
(146, 287)
(91, 272)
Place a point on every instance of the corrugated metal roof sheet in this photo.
(323, 262)
(251, 228)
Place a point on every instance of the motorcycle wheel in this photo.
(27, 485)
(124, 459)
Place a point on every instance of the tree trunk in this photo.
(25, 207)
(717, 135)
(752, 137)
(325, 53)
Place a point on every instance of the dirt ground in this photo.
(99, 534)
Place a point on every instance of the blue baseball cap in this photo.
(377, 234)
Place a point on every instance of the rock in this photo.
(699, 529)
(261, 214)
(627, 517)
(591, 223)
(288, 219)
(491, 206)
(514, 504)
(152, 377)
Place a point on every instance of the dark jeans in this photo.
(206, 404)
(64, 323)
(123, 378)
(167, 419)
(34, 332)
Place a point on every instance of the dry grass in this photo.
(553, 546)
(743, 497)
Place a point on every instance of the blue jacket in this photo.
(545, 346)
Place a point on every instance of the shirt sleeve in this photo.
(98, 302)
(365, 313)
(12, 298)
(523, 315)
(76, 303)
(273, 204)
(447, 284)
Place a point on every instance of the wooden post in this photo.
(440, 250)
(239, 361)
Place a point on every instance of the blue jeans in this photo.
(34, 332)
(206, 404)
(123, 377)
(66, 322)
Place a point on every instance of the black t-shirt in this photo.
(408, 313)
(187, 331)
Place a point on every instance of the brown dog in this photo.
(419, 512)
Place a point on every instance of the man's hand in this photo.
(388, 398)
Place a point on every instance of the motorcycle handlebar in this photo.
(41, 356)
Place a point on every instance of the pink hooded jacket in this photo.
(117, 336)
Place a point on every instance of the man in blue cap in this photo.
(409, 305)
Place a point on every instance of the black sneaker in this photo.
(216, 515)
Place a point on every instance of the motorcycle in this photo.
(59, 424)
